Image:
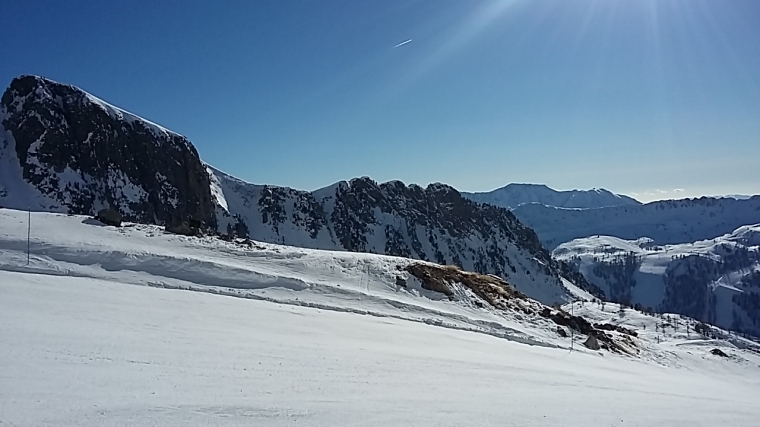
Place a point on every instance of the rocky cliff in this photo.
(62, 149)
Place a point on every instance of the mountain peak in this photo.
(516, 194)
(62, 149)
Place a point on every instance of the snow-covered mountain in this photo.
(737, 196)
(64, 150)
(665, 222)
(434, 223)
(717, 280)
(514, 195)
(154, 328)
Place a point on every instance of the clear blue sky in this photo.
(644, 97)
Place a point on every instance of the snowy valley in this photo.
(716, 280)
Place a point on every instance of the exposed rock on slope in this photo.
(490, 288)
(62, 149)
(501, 295)
(434, 223)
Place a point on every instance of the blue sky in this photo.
(653, 98)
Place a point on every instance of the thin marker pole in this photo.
(28, 236)
(572, 331)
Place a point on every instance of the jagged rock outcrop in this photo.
(592, 343)
(502, 296)
(62, 149)
(434, 223)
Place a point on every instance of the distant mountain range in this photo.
(697, 257)
(515, 195)
(64, 150)
(666, 221)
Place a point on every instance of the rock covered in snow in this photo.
(62, 149)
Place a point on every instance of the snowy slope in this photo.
(514, 195)
(276, 335)
(715, 280)
(68, 245)
(666, 222)
(435, 223)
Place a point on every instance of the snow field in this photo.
(90, 335)
(81, 351)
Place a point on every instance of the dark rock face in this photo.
(307, 213)
(82, 154)
(185, 228)
(109, 217)
(718, 352)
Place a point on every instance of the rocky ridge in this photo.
(435, 224)
(64, 150)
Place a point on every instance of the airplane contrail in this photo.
(403, 43)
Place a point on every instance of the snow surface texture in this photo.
(665, 222)
(315, 338)
(514, 195)
(715, 280)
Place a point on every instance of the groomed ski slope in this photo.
(83, 341)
